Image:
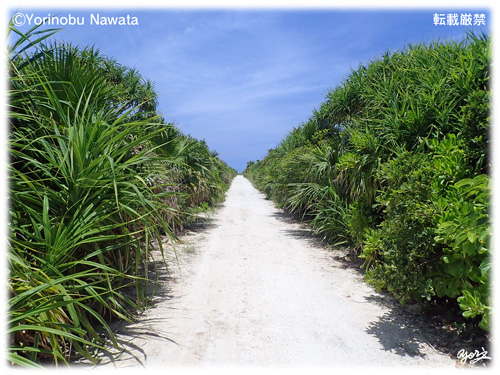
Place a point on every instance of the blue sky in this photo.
(242, 79)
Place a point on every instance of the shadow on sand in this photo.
(401, 330)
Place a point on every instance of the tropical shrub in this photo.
(464, 227)
(395, 163)
(411, 182)
(97, 182)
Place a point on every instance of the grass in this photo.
(189, 248)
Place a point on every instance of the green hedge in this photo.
(395, 164)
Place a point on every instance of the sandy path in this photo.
(253, 291)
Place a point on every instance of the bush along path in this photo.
(97, 181)
(395, 164)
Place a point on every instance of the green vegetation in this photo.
(395, 164)
(97, 182)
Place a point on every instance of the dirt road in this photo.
(252, 290)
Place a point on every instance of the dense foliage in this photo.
(395, 164)
(97, 181)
